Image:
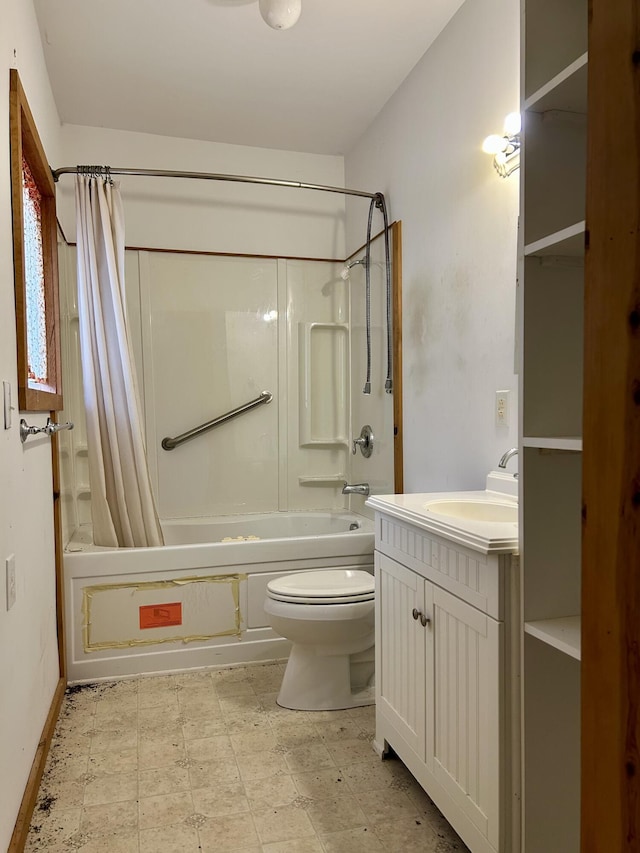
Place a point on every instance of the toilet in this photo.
(328, 616)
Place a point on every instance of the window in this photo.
(35, 261)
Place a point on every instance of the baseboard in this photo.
(21, 828)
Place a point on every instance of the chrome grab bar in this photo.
(170, 443)
(48, 429)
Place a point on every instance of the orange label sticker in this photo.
(161, 615)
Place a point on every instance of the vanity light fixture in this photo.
(505, 148)
(280, 14)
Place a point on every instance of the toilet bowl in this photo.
(329, 618)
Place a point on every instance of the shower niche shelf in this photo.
(323, 480)
(324, 371)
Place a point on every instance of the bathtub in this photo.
(198, 600)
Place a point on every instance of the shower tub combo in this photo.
(198, 600)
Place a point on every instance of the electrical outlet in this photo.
(10, 564)
(502, 408)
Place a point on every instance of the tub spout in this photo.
(356, 489)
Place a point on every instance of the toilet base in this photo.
(314, 682)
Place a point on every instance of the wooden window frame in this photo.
(25, 141)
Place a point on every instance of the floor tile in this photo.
(349, 751)
(165, 809)
(386, 805)
(334, 814)
(207, 761)
(109, 818)
(260, 764)
(111, 788)
(362, 839)
(177, 838)
(51, 825)
(117, 842)
(223, 800)
(277, 790)
(282, 823)
(113, 761)
(369, 775)
(250, 742)
(114, 739)
(226, 834)
(299, 845)
(206, 774)
(160, 753)
(216, 748)
(163, 780)
(407, 836)
(321, 784)
(313, 756)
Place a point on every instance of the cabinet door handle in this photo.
(424, 620)
(416, 613)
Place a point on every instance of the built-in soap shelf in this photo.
(324, 377)
(323, 480)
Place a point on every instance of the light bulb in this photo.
(494, 143)
(513, 124)
(280, 14)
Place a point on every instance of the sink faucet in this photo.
(506, 457)
(356, 489)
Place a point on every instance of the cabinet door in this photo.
(465, 739)
(400, 652)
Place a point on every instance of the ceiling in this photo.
(213, 70)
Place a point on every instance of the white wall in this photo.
(28, 648)
(459, 234)
(213, 216)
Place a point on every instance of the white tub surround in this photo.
(198, 602)
(447, 654)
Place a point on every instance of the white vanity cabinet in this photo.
(444, 686)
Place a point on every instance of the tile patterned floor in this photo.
(208, 762)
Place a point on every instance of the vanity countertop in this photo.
(457, 516)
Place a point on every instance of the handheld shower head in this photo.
(347, 267)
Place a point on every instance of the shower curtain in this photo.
(122, 505)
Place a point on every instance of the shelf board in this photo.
(569, 242)
(323, 480)
(563, 634)
(570, 443)
(567, 91)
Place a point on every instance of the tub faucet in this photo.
(356, 489)
(506, 457)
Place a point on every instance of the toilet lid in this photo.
(323, 587)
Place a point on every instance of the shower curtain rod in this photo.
(107, 171)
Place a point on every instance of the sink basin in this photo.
(475, 510)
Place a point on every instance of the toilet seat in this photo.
(331, 586)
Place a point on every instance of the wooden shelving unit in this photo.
(552, 239)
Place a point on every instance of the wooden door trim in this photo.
(398, 442)
(30, 796)
(610, 794)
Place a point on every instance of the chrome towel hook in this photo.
(48, 429)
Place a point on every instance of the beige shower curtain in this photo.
(122, 505)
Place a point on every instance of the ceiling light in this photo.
(280, 14)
